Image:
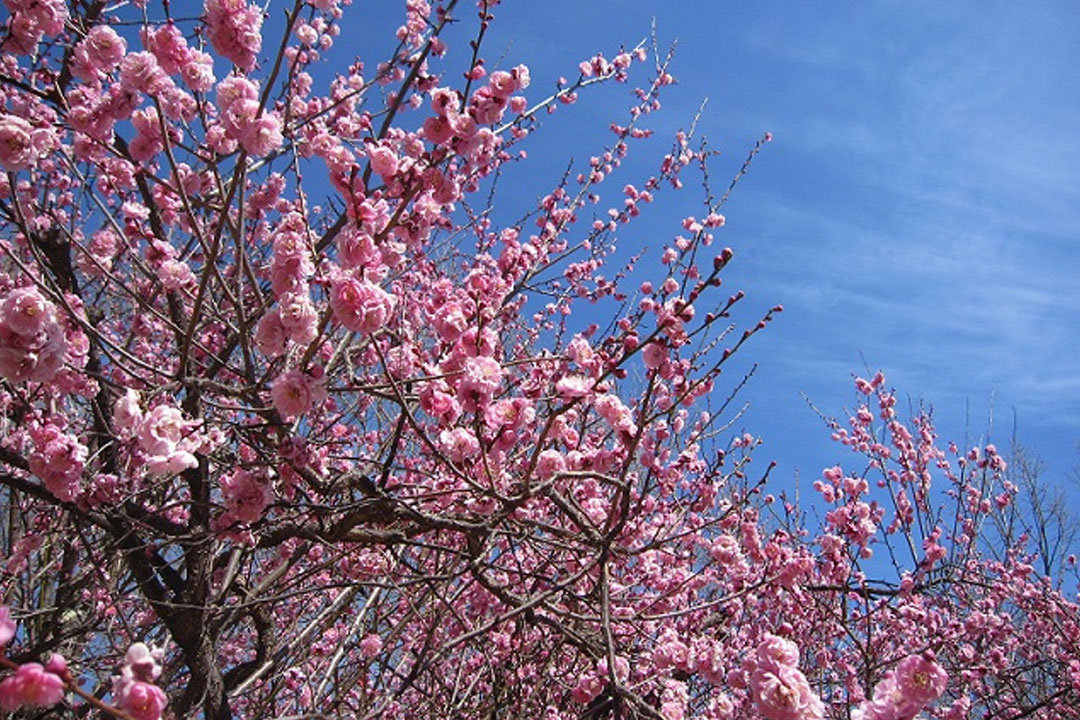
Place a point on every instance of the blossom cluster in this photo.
(33, 343)
(34, 685)
(779, 688)
(914, 683)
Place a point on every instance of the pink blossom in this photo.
(140, 72)
(31, 686)
(916, 682)
(775, 651)
(294, 393)
(168, 45)
(235, 89)
(270, 335)
(384, 161)
(25, 311)
(176, 275)
(573, 386)
(655, 354)
(438, 130)
(299, 319)
(134, 688)
(58, 459)
(611, 408)
(57, 665)
(549, 463)
(162, 430)
(246, 495)
(233, 28)
(142, 662)
(262, 136)
(459, 444)
(779, 688)
(127, 414)
(673, 700)
(143, 701)
(7, 626)
(360, 305)
(98, 53)
(671, 651)
(171, 464)
(783, 693)
(588, 687)
(513, 413)
(16, 143)
(198, 71)
(439, 404)
(481, 377)
(370, 645)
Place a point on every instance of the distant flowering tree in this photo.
(297, 424)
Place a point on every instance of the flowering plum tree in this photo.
(297, 425)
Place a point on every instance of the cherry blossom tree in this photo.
(301, 421)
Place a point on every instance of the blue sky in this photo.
(919, 206)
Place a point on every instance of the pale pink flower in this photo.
(459, 444)
(671, 651)
(176, 275)
(233, 28)
(920, 679)
(98, 53)
(481, 376)
(356, 248)
(437, 129)
(549, 463)
(510, 412)
(262, 136)
(588, 687)
(246, 495)
(25, 311)
(779, 688)
(16, 143)
(168, 45)
(233, 89)
(439, 404)
(775, 651)
(384, 161)
(140, 72)
(673, 700)
(611, 408)
(360, 305)
(134, 688)
(295, 392)
(573, 386)
(784, 694)
(174, 463)
(654, 354)
(58, 459)
(198, 71)
(127, 414)
(162, 430)
(270, 334)
(299, 318)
